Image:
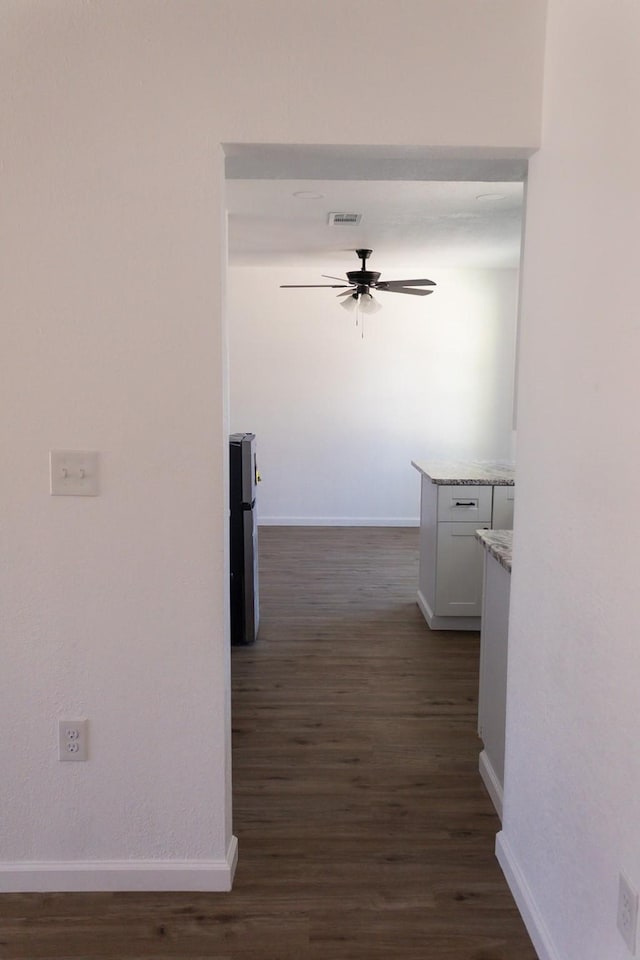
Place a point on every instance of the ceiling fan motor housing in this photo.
(367, 278)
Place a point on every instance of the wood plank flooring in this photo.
(364, 828)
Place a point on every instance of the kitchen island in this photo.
(492, 692)
(457, 498)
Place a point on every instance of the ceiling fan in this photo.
(360, 283)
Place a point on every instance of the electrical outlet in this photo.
(627, 913)
(72, 739)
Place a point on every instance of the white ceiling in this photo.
(421, 223)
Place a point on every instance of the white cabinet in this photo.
(492, 693)
(450, 575)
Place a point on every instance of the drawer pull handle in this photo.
(465, 503)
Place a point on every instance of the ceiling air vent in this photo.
(344, 219)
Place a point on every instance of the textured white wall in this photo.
(112, 340)
(113, 608)
(436, 72)
(339, 418)
(572, 792)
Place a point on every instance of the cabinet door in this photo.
(459, 570)
(494, 637)
(503, 498)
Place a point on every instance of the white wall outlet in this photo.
(627, 912)
(72, 739)
(74, 473)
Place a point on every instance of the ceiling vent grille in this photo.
(344, 219)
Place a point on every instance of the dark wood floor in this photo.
(364, 829)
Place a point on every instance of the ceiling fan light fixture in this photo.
(350, 303)
(368, 303)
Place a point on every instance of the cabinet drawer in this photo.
(464, 503)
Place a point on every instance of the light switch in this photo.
(74, 473)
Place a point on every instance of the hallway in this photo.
(364, 829)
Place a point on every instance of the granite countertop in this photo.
(466, 472)
(499, 544)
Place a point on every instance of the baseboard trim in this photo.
(491, 782)
(525, 902)
(338, 521)
(97, 876)
(445, 623)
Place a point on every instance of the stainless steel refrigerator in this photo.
(243, 476)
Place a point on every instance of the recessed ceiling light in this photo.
(308, 195)
(491, 196)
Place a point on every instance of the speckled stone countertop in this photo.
(466, 472)
(499, 544)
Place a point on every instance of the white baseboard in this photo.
(91, 876)
(338, 521)
(491, 782)
(445, 623)
(524, 900)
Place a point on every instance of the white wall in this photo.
(338, 417)
(112, 608)
(112, 339)
(572, 791)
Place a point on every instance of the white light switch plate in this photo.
(74, 473)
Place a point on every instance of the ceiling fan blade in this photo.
(305, 286)
(405, 283)
(415, 293)
(346, 293)
(328, 276)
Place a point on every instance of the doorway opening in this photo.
(331, 410)
(337, 420)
